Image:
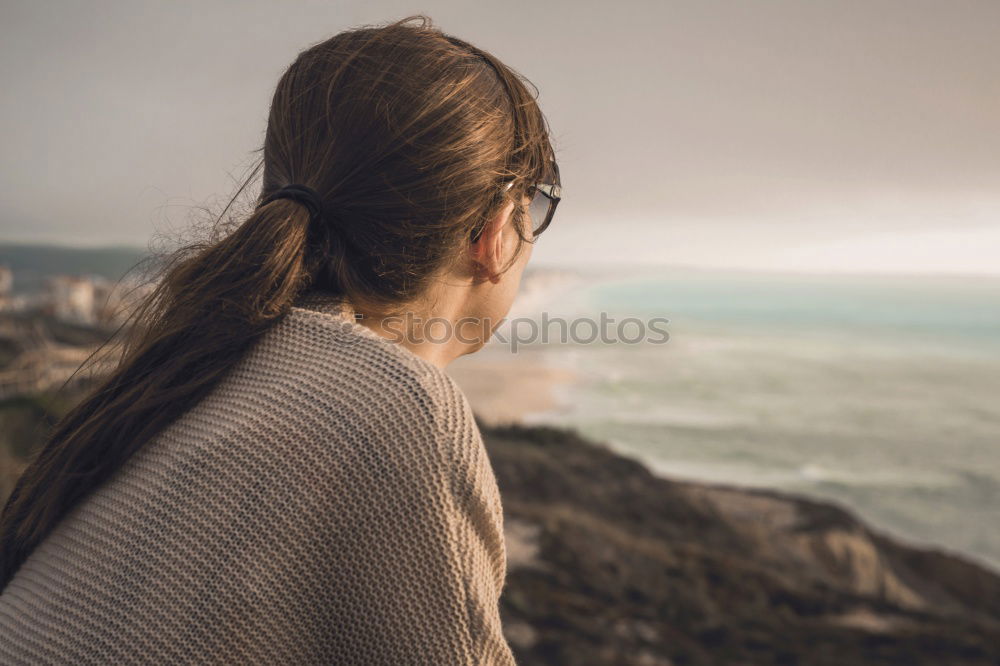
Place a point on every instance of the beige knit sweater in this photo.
(330, 501)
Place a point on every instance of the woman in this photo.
(279, 470)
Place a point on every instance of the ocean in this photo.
(881, 393)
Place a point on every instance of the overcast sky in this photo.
(842, 135)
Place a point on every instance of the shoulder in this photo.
(392, 429)
(358, 383)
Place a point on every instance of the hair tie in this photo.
(304, 194)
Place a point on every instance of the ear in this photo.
(487, 251)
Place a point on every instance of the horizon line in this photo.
(623, 264)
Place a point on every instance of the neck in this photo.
(436, 327)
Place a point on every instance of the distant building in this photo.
(91, 300)
(72, 298)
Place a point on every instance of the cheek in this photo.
(519, 266)
(526, 253)
(525, 249)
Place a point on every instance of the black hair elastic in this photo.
(305, 195)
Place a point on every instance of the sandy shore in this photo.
(504, 388)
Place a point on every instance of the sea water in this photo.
(880, 393)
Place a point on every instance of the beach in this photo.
(508, 388)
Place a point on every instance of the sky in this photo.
(811, 135)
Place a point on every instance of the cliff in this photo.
(609, 564)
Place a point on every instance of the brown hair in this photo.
(407, 134)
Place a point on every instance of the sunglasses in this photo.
(544, 199)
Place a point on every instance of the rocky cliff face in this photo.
(609, 564)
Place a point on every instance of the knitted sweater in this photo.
(329, 501)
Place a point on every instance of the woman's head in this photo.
(409, 136)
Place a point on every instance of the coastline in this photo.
(609, 563)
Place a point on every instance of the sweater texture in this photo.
(329, 501)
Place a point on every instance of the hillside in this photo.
(609, 564)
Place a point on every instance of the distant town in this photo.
(88, 300)
(46, 334)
